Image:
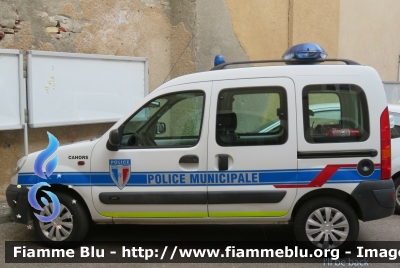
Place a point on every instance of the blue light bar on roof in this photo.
(306, 52)
(219, 59)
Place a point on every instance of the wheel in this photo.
(326, 223)
(71, 224)
(397, 191)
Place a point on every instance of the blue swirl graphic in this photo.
(32, 195)
(51, 165)
(56, 208)
(32, 200)
(44, 200)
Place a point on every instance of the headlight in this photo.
(19, 165)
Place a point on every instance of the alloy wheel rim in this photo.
(398, 195)
(61, 227)
(327, 228)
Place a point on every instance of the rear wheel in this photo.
(71, 224)
(326, 223)
(397, 191)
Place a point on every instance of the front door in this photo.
(162, 145)
(252, 148)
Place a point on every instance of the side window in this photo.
(335, 113)
(182, 120)
(394, 125)
(172, 120)
(252, 116)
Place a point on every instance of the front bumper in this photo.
(376, 199)
(17, 199)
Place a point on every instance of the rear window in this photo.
(335, 113)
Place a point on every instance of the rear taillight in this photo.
(386, 158)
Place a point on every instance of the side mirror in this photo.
(113, 139)
(161, 128)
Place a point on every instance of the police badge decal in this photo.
(120, 171)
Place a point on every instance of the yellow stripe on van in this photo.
(193, 214)
(155, 214)
(249, 214)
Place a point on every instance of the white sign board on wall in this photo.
(12, 90)
(74, 89)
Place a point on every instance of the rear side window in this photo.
(252, 116)
(335, 113)
(394, 125)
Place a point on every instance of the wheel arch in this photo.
(60, 188)
(396, 176)
(325, 193)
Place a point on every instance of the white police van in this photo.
(195, 151)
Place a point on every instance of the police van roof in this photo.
(288, 62)
(270, 71)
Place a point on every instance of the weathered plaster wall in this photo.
(315, 21)
(261, 26)
(183, 57)
(365, 31)
(144, 28)
(215, 35)
(124, 27)
(266, 28)
(370, 34)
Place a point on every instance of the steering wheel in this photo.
(142, 139)
(135, 140)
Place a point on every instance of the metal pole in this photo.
(26, 139)
(22, 97)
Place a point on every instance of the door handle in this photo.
(223, 162)
(190, 159)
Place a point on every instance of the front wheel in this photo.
(326, 223)
(71, 224)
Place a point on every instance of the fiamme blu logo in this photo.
(45, 174)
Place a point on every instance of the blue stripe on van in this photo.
(262, 177)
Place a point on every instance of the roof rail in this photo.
(222, 66)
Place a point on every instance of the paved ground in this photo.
(4, 208)
(4, 212)
(383, 230)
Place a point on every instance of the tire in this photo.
(397, 191)
(346, 231)
(72, 228)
